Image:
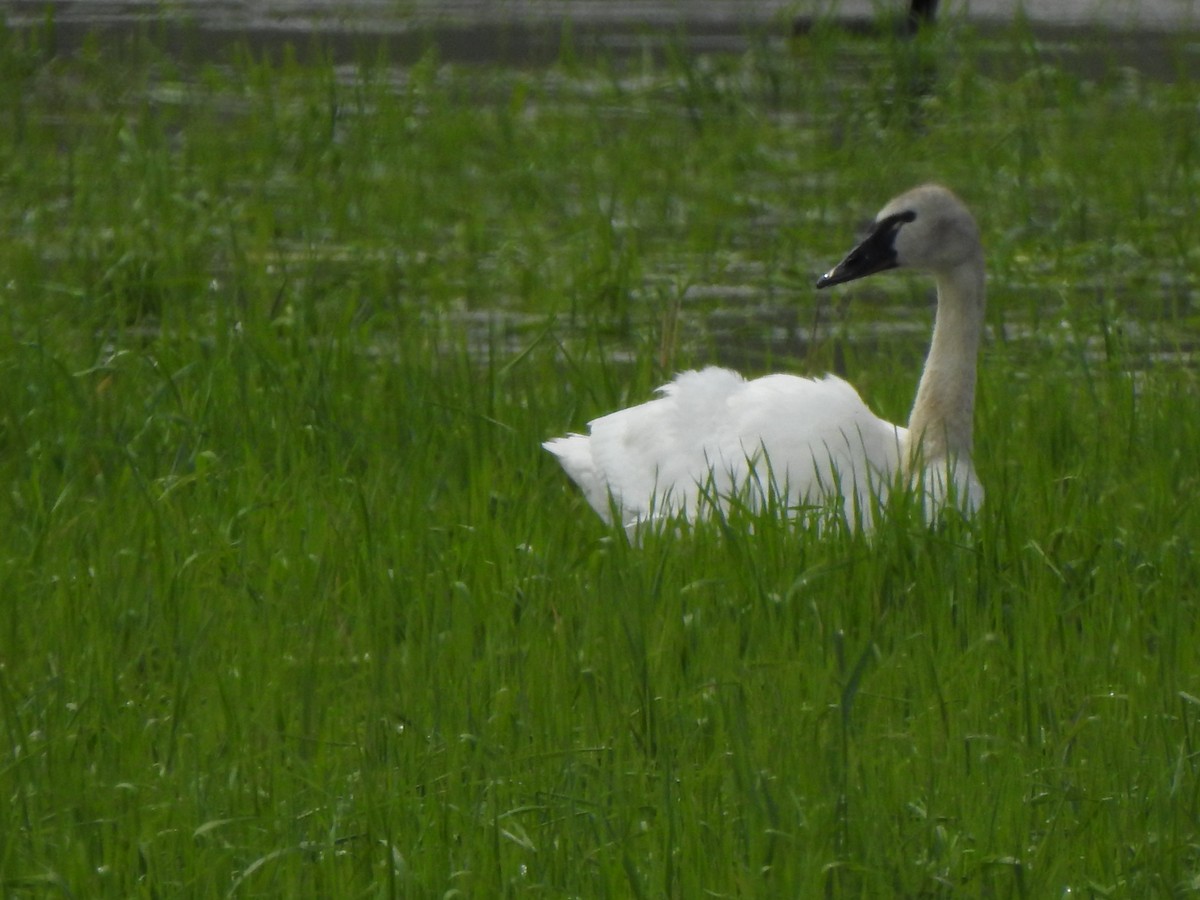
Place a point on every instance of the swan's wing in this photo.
(817, 438)
(651, 457)
(574, 453)
(712, 432)
(648, 458)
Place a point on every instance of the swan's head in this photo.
(927, 228)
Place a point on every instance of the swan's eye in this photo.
(895, 220)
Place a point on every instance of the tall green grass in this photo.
(297, 606)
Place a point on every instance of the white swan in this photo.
(810, 443)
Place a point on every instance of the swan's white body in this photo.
(808, 443)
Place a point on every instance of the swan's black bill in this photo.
(877, 253)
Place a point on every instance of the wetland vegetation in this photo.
(298, 606)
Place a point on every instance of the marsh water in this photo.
(1156, 38)
(531, 31)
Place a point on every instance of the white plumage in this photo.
(712, 435)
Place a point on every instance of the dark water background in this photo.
(532, 32)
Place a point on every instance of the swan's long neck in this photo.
(940, 425)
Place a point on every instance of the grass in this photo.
(298, 607)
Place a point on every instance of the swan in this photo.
(813, 444)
